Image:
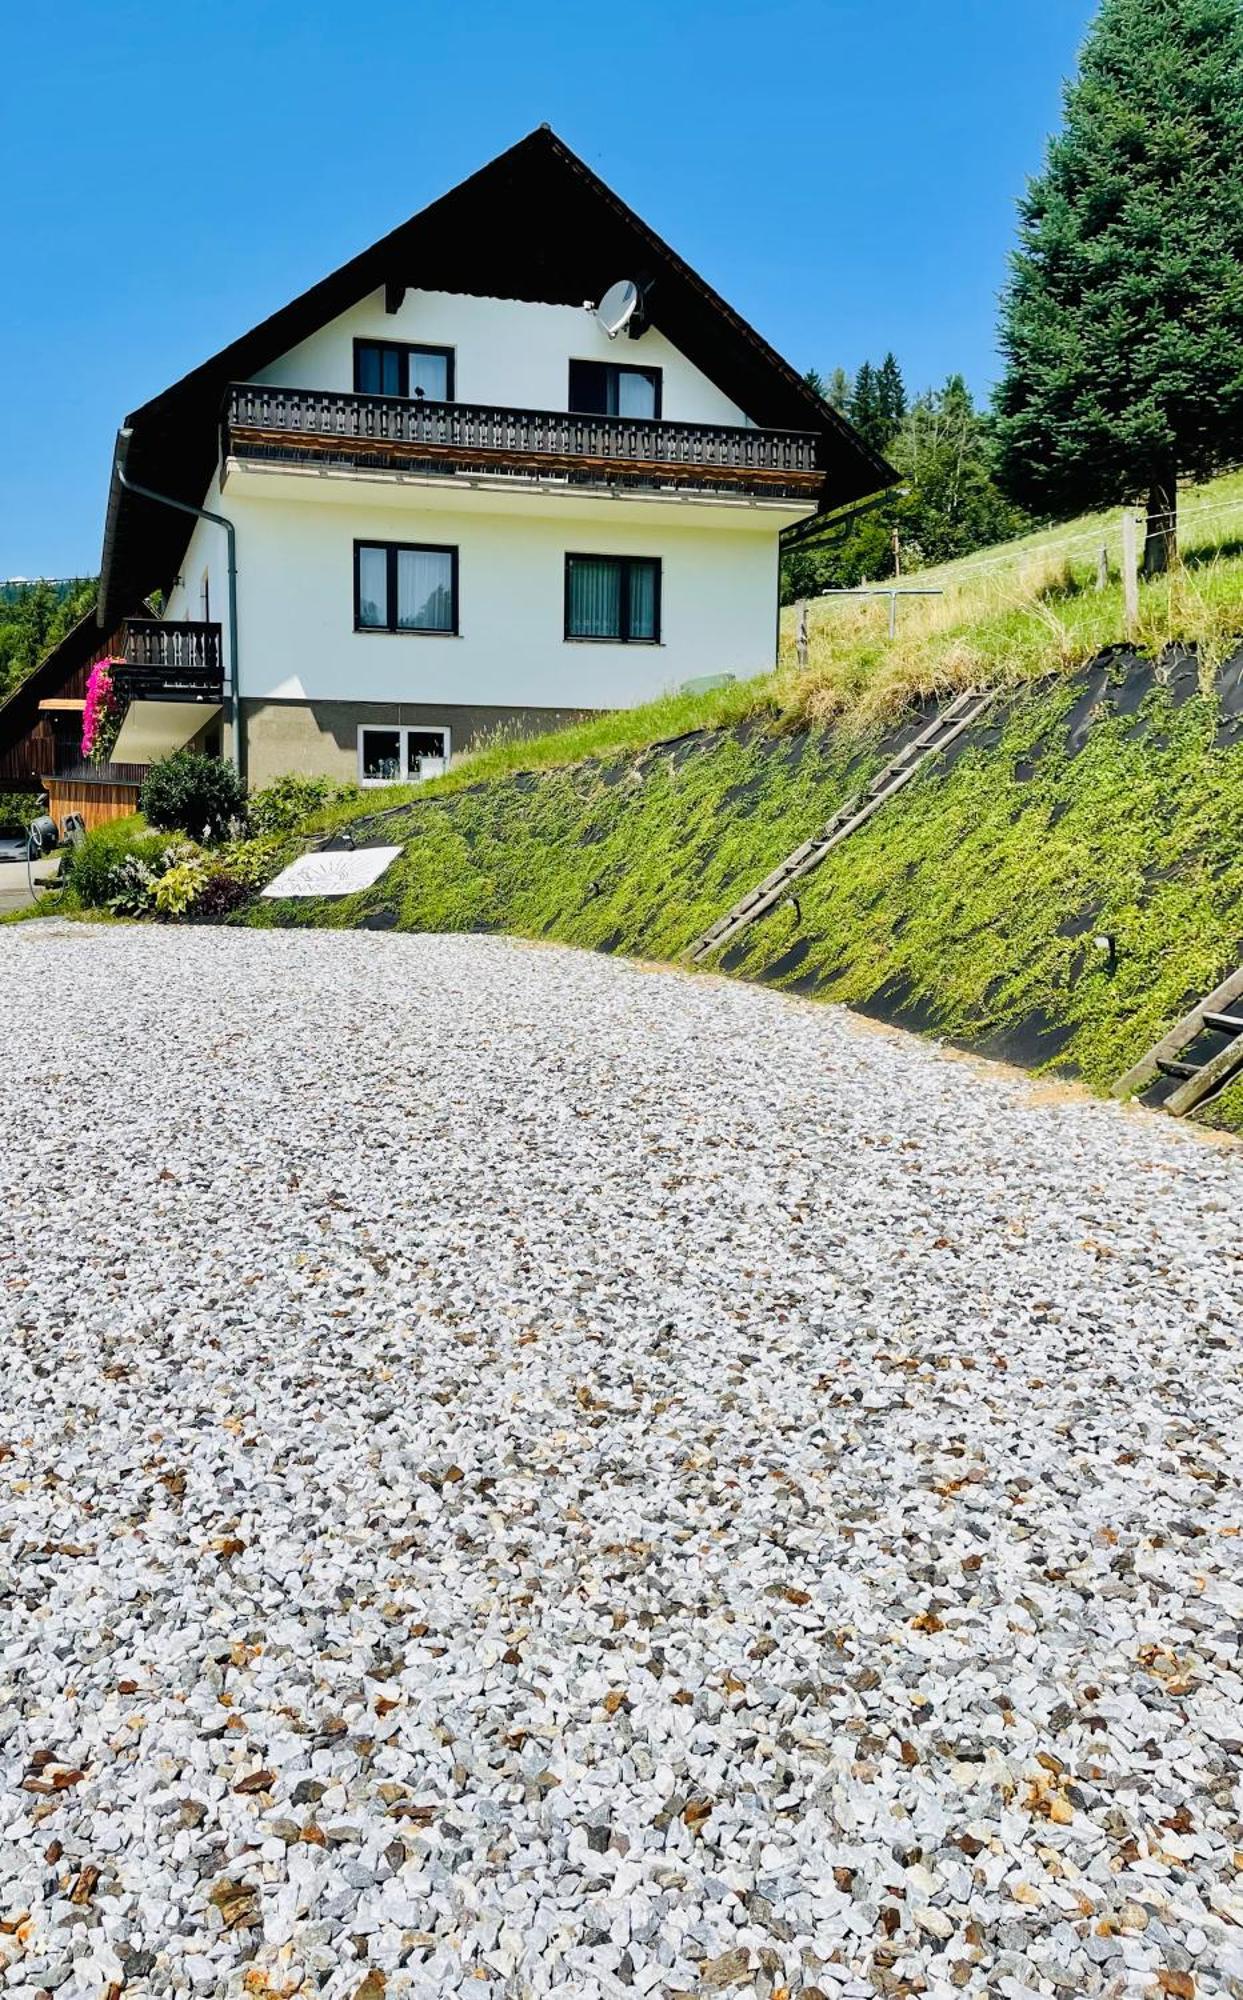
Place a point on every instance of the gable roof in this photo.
(535, 223)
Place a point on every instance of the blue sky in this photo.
(844, 173)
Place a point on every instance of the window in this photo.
(613, 597)
(390, 756)
(390, 368)
(404, 587)
(606, 389)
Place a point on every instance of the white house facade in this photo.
(455, 501)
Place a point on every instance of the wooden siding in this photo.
(32, 740)
(96, 800)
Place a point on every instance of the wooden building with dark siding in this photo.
(41, 733)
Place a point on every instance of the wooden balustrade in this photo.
(173, 661)
(272, 421)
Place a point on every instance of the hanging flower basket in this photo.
(103, 713)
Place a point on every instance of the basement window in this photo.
(397, 755)
(610, 389)
(613, 598)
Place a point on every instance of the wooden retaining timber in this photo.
(857, 810)
(1197, 1082)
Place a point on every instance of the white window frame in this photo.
(404, 730)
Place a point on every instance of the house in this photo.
(513, 463)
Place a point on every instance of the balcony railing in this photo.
(171, 662)
(271, 422)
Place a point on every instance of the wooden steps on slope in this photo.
(1220, 1013)
(856, 811)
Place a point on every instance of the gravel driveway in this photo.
(522, 1474)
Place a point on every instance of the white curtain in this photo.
(430, 374)
(424, 590)
(595, 598)
(373, 587)
(636, 393)
(643, 600)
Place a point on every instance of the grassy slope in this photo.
(1008, 615)
(966, 907)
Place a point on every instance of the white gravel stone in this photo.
(521, 1473)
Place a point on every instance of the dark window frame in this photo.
(404, 349)
(618, 368)
(623, 636)
(392, 551)
(403, 731)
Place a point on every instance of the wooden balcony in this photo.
(318, 425)
(171, 662)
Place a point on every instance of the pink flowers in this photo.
(101, 717)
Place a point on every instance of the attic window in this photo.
(393, 368)
(610, 389)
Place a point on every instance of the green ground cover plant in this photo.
(1103, 804)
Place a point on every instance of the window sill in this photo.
(405, 632)
(570, 639)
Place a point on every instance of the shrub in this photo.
(181, 885)
(17, 809)
(92, 870)
(220, 895)
(194, 794)
(282, 805)
(255, 862)
(131, 886)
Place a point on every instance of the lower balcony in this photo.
(170, 661)
(412, 435)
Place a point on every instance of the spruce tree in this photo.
(864, 411)
(1122, 321)
(890, 396)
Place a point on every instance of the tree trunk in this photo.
(1161, 533)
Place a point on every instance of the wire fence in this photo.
(1107, 535)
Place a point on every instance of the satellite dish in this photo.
(618, 307)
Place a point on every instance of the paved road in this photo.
(15, 884)
(521, 1474)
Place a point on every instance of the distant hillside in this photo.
(34, 614)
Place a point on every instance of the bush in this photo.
(293, 798)
(190, 793)
(179, 888)
(255, 862)
(220, 895)
(17, 809)
(131, 886)
(95, 870)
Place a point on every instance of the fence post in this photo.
(800, 633)
(1130, 574)
(1102, 567)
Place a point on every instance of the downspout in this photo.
(220, 521)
